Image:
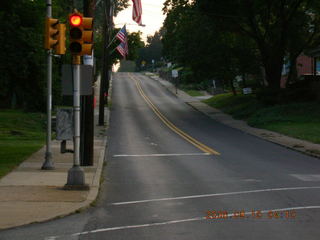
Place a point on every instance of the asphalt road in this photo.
(173, 173)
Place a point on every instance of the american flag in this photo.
(137, 11)
(122, 34)
(123, 49)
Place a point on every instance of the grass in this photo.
(240, 106)
(298, 120)
(194, 93)
(21, 134)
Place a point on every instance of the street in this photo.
(173, 173)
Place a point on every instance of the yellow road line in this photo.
(170, 125)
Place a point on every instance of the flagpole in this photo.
(112, 41)
(115, 36)
(113, 50)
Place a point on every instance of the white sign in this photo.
(169, 64)
(247, 90)
(214, 83)
(174, 73)
(88, 60)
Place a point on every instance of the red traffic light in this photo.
(75, 20)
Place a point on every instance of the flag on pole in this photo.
(123, 46)
(122, 34)
(123, 49)
(137, 11)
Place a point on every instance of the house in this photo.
(306, 65)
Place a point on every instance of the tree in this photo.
(21, 65)
(192, 40)
(276, 26)
(152, 50)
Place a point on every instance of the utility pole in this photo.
(48, 164)
(104, 82)
(87, 111)
(111, 27)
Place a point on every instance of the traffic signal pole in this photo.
(76, 178)
(81, 43)
(48, 164)
(76, 109)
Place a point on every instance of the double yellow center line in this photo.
(170, 125)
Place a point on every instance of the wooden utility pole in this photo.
(104, 84)
(87, 111)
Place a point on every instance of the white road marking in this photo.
(216, 194)
(177, 221)
(163, 155)
(307, 177)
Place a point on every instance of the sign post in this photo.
(175, 75)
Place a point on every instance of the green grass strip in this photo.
(21, 134)
(194, 93)
(298, 120)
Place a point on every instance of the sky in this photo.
(152, 17)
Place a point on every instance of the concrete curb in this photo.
(302, 146)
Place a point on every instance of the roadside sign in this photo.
(174, 73)
(88, 60)
(247, 90)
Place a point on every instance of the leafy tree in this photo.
(21, 65)
(194, 41)
(277, 27)
(152, 50)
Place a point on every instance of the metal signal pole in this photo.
(76, 178)
(48, 164)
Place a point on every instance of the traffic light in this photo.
(81, 34)
(60, 47)
(51, 32)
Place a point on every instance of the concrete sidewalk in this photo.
(286, 141)
(29, 194)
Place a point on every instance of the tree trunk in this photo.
(244, 80)
(292, 76)
(232, 87)
(273, 68)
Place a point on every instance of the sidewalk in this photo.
(286, 141)
(29, 194)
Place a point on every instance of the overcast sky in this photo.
(151, 16)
